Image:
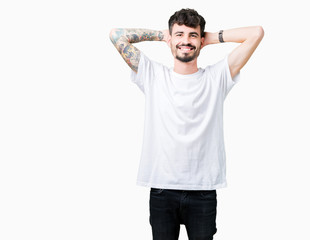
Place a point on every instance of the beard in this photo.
(187, 57)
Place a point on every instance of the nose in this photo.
(185, 39)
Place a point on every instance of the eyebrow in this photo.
(189, 33)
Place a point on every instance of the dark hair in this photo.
(189, 18)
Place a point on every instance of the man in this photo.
(183, 154)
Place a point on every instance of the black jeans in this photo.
(195, 209)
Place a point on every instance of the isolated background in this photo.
(71, 121)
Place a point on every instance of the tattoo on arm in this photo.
(123, 39)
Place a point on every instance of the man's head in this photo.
(186, 28)
(189, 18)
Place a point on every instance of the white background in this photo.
(71, 121)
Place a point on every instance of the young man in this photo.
(183, 154)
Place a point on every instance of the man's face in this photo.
(185, 42)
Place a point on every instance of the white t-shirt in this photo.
(183, 140)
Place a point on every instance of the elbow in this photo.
(116, 34)
(259, 32)
(256, 34)
(112, 35)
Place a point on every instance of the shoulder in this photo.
(149, 60)
(149, 69)
(218, 67)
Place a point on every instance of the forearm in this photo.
(249, 37)
(134, 35)
(237, 35)
(122, 39)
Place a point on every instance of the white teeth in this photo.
(185, 49)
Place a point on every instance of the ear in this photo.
(169, 41)
(202, 42)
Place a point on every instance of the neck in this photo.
(185, 67)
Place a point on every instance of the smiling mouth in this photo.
(186, 48)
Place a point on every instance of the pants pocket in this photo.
(156, 191)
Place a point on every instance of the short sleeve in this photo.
(221, 72)
(145, 73)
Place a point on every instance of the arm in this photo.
(249, 37)
(122, 38)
